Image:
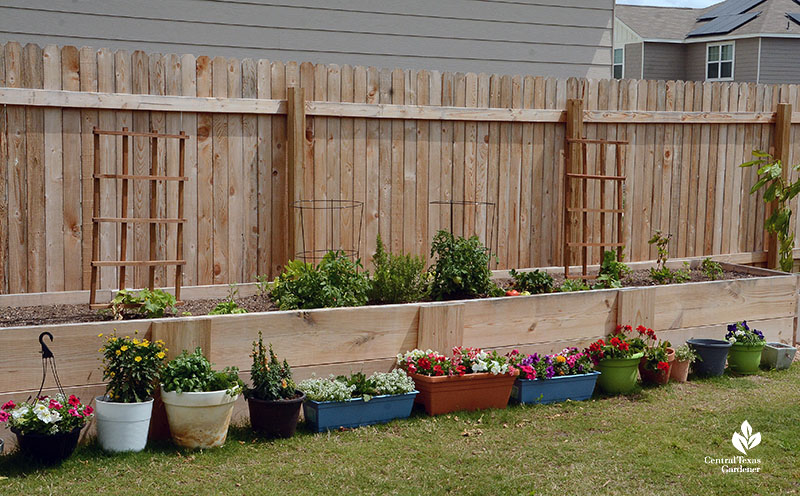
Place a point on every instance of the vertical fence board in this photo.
(33, 77)
(54, 170)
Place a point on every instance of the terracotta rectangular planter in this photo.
(445, 394)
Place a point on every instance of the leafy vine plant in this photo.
(776, 188)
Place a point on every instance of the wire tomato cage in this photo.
(332, 214)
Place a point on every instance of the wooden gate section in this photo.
(126, 177)
(576, 181)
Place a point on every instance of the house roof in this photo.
(728, 18)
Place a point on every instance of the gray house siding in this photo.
(543, 37)
(696, 62)
(780, 61)
(745, 60)
(633, 60)
(664, 61)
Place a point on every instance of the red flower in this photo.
(54, 405)
(663, 366)
(411, 368)
(461, 370)
(641, 329)
(618, 330)
(73, 400)
(651, 333)
(424, 363)
(88, 411)
(437, 370)
(624, 346)
(9, 406)
(615, 342)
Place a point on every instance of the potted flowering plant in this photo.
(131, 367)
(655, 365)
(47, 429)
(684, 356)
(199, 400)
(335, 402)
(617, 359)
(746, 347)
(471, 379)
(273, 400)
(551, 378)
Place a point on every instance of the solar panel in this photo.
(731, 7)
(794, 17)
(723, 24)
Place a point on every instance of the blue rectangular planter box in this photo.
(566, 387)
(328, 415)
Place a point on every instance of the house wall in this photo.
(745, 61)
(624, 35)
(780, 60)
(633, 60)
(664, 61)
(540, 37)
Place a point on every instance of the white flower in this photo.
(19, 412)
(739, 333)
(40, 408)
(498, 369)
(732, 339)
(479, 366)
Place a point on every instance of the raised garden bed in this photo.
(368, 338)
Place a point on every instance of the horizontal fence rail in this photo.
(396, 140)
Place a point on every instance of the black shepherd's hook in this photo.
(48, 359)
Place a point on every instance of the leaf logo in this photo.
(746, 440)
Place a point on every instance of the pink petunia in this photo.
(73, 400)
(10, 405)
(88, 411)
(55, 405)
(3, 416)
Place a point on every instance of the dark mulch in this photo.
(63, 314)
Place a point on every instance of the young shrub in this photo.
(262, 285)
(612, 271)
(228, 306)
(397, 278)
(536, 282)
(462, 267)
(571, 285)
(335, 282)
(272, 380)
(192, 373)
(685, 353)
(661, 274)
(711, 269)
(131, 367)
(152, 304)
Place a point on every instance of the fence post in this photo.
(636, 306)
(574, 164)
(783, 146)
(296, 130)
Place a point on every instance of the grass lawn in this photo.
(652, 442)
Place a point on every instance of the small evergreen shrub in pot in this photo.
(47, 429)
(568, 375)
(684, 357)
(273, 399)
(131, 367)
(471, 379)
(357, 400)
(617, 359)
(199, 401)
(746, 347)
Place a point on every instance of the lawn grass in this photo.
(651, 442)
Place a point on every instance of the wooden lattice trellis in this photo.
(153, 220)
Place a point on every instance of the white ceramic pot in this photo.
(199, 420)
(122, 426)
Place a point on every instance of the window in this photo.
(719, 62)
(619, 58)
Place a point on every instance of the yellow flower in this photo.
(145, 343)
(135, 341)
(100, 350)
(112, 374)
(118, 353)
(124, 348)
(283, 383)
(160, 355)
(560, 359)
(137, 359)
(100, 335)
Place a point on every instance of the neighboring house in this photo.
(540, 37)
(735, 40)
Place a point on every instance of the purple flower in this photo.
(744, 324)
(550, 372)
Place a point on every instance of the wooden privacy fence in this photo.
(393, 139)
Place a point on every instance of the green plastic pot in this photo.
(745, 358)
(618, 375)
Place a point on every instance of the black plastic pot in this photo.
(48, 449)
(713, 354)
(275, 419)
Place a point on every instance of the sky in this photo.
(671, 3)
